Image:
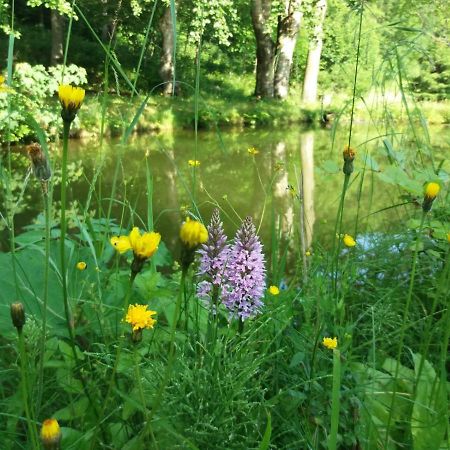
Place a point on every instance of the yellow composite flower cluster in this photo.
(330, 343)
(144, 245)
(432, 190)
(193, 233)
(139, 317)
(253, 151)
(194, 163)
(70, 97)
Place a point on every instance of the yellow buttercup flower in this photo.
(432, 190)
(273, 290)
(253, 151)
(139, 318)
(144, 246)
(50, 434)
(193, 163)
(193, 233)
(330, 343)
(81, 265)
(348, 240)
(71, 99)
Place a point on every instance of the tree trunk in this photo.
(57, 23)
(167, 63)
(309, 94)
(307, 156)
(265, 48)
(288, 27)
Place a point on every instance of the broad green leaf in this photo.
(429, 415)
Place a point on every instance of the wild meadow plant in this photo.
(153, 353)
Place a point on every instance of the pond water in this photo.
(294, 181)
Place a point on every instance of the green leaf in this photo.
(297, 359)
(73, 410)
(429, 418)
(267, 434)
(397, 176)
(330, 166)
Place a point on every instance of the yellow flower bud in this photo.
(17, 315)
(81, 265)
(50, 434)
(431, 191)
(348, 240)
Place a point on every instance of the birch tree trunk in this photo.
(57, 24)
(167, 64)
(265, 48)
(309, 94)
(288, 28)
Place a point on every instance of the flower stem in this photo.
(403, 327)
(337, 235)
(47, 211)
(63, 234)
(32, 431)
(63, 225)
(116, 363)
(138, 378)
(172, 350)
(335, 400)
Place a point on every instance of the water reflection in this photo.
(240, 183)
(307, 159)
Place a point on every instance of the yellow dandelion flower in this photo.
(348, 240)
(273, 290)
(139, 318)
(193, 233)
(330, 343)
(71, 99)
(253, 151)
(81, 265)
(50, 434)
(307, 253)
(432, 190)
(193, 163)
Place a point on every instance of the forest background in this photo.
(245, 51)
